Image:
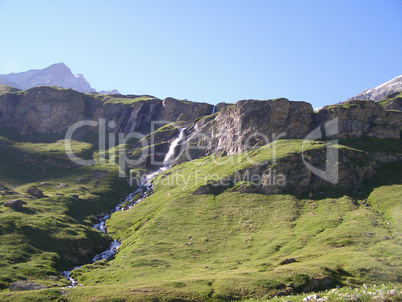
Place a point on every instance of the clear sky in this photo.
(318, 51)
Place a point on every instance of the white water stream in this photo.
(144, 190)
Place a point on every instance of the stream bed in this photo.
(144, 190)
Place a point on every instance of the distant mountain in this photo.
(54, 75)
(380, 92)
(114, 91)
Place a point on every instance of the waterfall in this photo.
(144, 190)
(213, 109)
(170, 155)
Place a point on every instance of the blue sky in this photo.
(321, 52)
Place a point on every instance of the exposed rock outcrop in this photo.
(35, 192)
(361, 118)
(290, 174)
(42, 110)
(25, 285)
(249, 124)
(392, 101)
(54, 110)
(14, 203)
(232, 129)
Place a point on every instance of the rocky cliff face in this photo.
(55, 75)
(249, 124)
(379, 92)
(361, 118)
(291, 175)
(54, 110)
(231, 130)
(41, 110)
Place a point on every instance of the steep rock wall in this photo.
(249, 124)
(54, 110)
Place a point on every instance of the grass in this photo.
(231, 245)
(7, 89)
(114, 99)
(391, 97)
(382, 292)
(374, 145)
(50, 234)
(184, 247)
(347, 105)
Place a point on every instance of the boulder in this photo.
(319, 283)
(38, 193)
(25, 285)
(14, 203)
(287, 261)
(311, 298)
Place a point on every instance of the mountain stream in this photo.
(145, 189)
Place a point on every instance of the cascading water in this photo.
(170, 155)
(145, 189)
(213, 109)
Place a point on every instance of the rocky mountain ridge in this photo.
(232, 129)
(249, 124)
(53, 110)
(211, 225)
(381, 91)
(57, 74)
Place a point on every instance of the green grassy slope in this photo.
(49, 234)
(7, 89)
(233, 245)
(115, 99)
(395, 98)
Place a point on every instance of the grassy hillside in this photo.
(50, 233)
(7, 89)
(129, 99)
(184, 247)
(392, 101)
(232, 245)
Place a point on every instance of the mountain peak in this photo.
(58, 69)
(381, 91)
(58, 74)
(61, 64)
